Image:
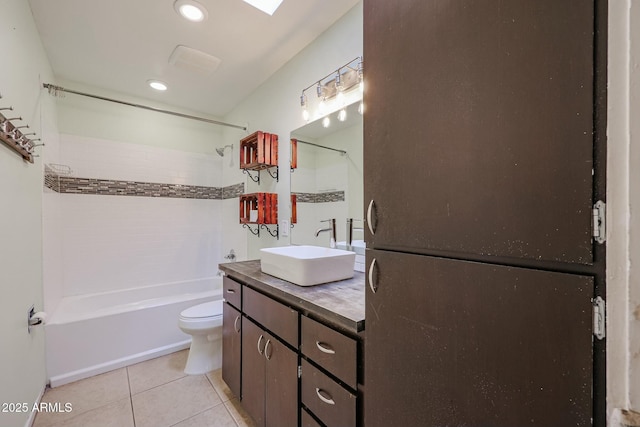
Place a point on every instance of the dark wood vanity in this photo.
(292, 354)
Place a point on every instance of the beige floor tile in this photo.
(216, 417)
(176, 401)
(86, 395)
(152, 373)
(215, 377)
(116, 414)
(239, 414)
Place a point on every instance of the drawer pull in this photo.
(325, 348)
(328, 400)
(260, 350)
(266, 350)
(235, 324)
(370, 209)
(372, 285)
(231, 291)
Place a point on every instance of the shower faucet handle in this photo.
(231, 255)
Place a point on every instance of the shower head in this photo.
(220, 150)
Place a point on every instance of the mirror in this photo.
(328, 180)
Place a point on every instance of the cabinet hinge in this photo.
(299, 371)
(599, 317)
(599, 222)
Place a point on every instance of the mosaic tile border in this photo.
(111, 187)
(331, 196)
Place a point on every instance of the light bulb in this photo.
(157, 85)
(191, 10)
(361, 108)
(342, 115)
(326, 122)
(340, 97)
(303, 104)
(322, 106)
(361, 86)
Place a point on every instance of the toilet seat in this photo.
(202, 311)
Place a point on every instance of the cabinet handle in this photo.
(329, 400)
(260, 350)
(235, 324)
(323, 347)
(370, 209)
(266, 353)
(372, 285)
(231, 291)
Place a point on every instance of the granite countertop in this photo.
(340, 304)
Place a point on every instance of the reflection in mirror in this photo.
(328, 180)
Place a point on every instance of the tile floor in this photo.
(155, 393)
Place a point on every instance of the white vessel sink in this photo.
(307, 265)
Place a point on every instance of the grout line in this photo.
(160, 385)
(215, 391)
(133, 411)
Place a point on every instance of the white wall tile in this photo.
(119, 242)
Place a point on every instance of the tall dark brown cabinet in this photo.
(482, 138)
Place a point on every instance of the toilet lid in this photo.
(208, 309)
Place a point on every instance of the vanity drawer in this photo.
(335, 352)
(328, 400)
(276, 317)
(232, 292)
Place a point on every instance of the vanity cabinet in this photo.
(231, 334)
(300, 361)
(231, 345)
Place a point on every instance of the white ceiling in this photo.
(120, 44)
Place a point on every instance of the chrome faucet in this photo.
(331, 229)
(350, 230)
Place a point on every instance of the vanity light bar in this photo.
(342, 79)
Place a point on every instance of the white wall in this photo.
(623, 200)
(22, 368)
(275, 107)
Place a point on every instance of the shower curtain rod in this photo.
(322, 146)
(53, 90)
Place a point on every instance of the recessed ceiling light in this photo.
(157, 85)
(267, 6)
(191, 10)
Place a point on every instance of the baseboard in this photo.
(80, 374)
(32, 415)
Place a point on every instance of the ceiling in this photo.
(120, 44)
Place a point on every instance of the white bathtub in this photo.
(95, 333)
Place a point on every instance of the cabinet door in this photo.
(281, 392)
(453, 343)
(253, 370)
(478, 131)
(231, 344)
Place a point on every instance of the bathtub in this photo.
(96, 333)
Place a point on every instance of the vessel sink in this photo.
(307, 265)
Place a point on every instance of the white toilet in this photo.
(204, 323)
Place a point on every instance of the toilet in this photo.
(204, 323)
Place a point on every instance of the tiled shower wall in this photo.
(133, 215)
